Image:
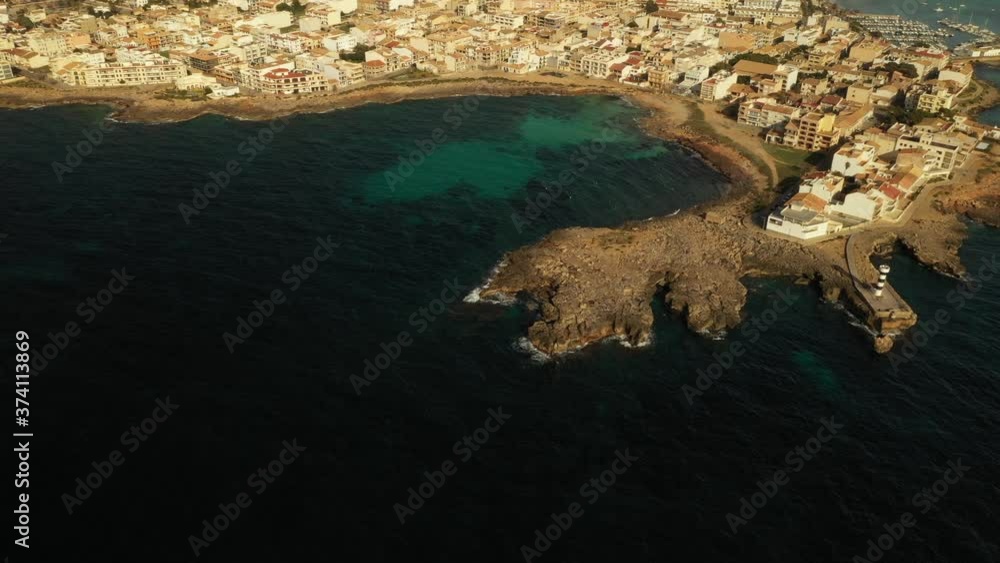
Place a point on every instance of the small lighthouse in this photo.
(883, 273)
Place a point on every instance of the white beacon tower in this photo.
(883, 273)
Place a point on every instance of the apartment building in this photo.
(598, 65)
(392, 5)
(934, 97)
(868, 50)
(942, 153)
(108, 75)
(825, 53)
(48, 44)
(508, 20)
(959, 73)
(6, 71)
(660, 78)
(815, 131)
(23, 58)
(348, 73)
(717, 87)
(287, 82)
(293, 42)
(765, 112)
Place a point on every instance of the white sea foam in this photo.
(524, 346)
(475, 296)
(853, 320)
(624, 343)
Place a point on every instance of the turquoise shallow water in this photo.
(291, 379)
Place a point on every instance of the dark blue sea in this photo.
(195, 387)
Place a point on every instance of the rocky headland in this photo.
(587, 285)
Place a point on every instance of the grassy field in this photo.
(696, 121)
(791, 163)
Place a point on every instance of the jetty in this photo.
(888, 314)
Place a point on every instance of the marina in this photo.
(980, 33)
(900, 30)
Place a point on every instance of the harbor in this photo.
(901, 31)
(983, 34)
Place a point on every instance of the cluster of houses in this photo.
(289, 47)
(877, 173)
(809, 79)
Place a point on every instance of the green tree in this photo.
(719, 66)
(651, 6)
(296, 8)
(357, 55)
(23, 20)
(905, 69)
(755, 57)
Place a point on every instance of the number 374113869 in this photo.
(21, 371)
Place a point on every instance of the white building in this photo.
(196, 82)
(857, 206)
(854, 158)
(340, 42)
(717, 87)
(343, 6)
(821, 185)
(803, 218)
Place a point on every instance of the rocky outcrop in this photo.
(587, 285)
(980, 201)
(883, 344)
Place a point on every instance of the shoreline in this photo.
(137, 105)
(588, 285)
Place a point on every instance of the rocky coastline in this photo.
(590, 285)
(587, 285)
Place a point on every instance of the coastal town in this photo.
(809, 77)
(881, 107)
